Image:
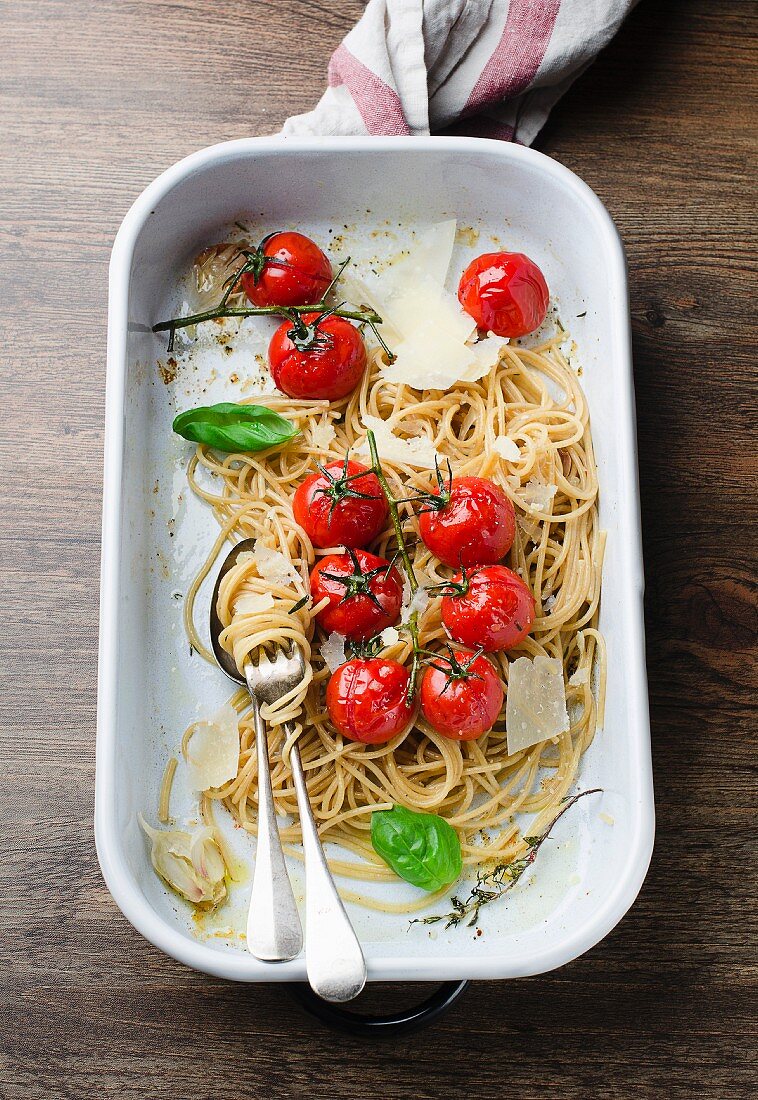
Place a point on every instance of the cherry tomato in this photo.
(367, 699)
(341, 505)
(365, 593)
(505, 293)
(493, 609)
(326, 364)
(476, 526)
(461, 696)
(290, 270)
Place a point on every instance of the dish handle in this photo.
(402, 1022)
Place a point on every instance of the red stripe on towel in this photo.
(378, 104)
(519, 53)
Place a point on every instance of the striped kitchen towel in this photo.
(491, 68)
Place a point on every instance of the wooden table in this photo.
(99, 98)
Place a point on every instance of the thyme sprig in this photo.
(293, 314)
(493, 884)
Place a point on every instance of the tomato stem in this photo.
(364, 316)
(402, 549)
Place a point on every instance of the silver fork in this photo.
(333, 957)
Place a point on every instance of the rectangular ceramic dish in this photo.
(150, 686)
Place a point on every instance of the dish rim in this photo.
(240, 966)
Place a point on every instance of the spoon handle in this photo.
(274, 931)
(334, 960)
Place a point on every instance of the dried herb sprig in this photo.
(306, 335)
(491, 885)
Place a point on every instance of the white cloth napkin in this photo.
(491, 68)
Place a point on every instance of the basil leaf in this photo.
(424, 849)
(232, 428)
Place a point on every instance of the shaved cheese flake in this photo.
(434, 249)
(431, 360)
(213, 750)
(507, 448)
(333, 651)
(322, 434)
(535, 708)
(253, 603)
(366, 290)
(607, 818)
(582, 675)
(538, 496)
(418, 452)
(429, 254)
(417, 602)
(272, 565)
(389, 636)
(487, 353)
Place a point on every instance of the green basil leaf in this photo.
(232, 428)
(424, 849)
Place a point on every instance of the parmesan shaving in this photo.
(507, 448)
(417, 602)
(418, 452)
(322, 434)
(272, 565)
(253, 603)
(389, 636)
(213, 750)
(535, 708)
(581, 676)
(333, 651)
(538, 496)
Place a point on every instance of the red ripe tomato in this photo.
(505, 292)
(327, 363)
(461, 699)
(367, 699)
(492, 609)
(364, 591)
(289, 269)
(475, 526)
(341, 505)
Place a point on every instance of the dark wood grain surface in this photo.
(96, 100)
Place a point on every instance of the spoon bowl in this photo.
(225, 660)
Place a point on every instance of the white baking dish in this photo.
(149, 684)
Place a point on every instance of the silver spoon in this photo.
(334, 961)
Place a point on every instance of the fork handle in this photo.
(334, 960)
(274, 931)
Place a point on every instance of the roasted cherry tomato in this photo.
(489, 608)
(365, 593)
(461, 695)
(325, 359)
(288, 269)
(367, 699)
(341, 505)
(505, 293)
(469, 522)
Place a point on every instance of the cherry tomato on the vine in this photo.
(364, 591)
(342, 504)
(461, 696)
(288, 269)
(324, 360)
(489, 608)
(475, 526)
(505, 293)
(367, 699)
